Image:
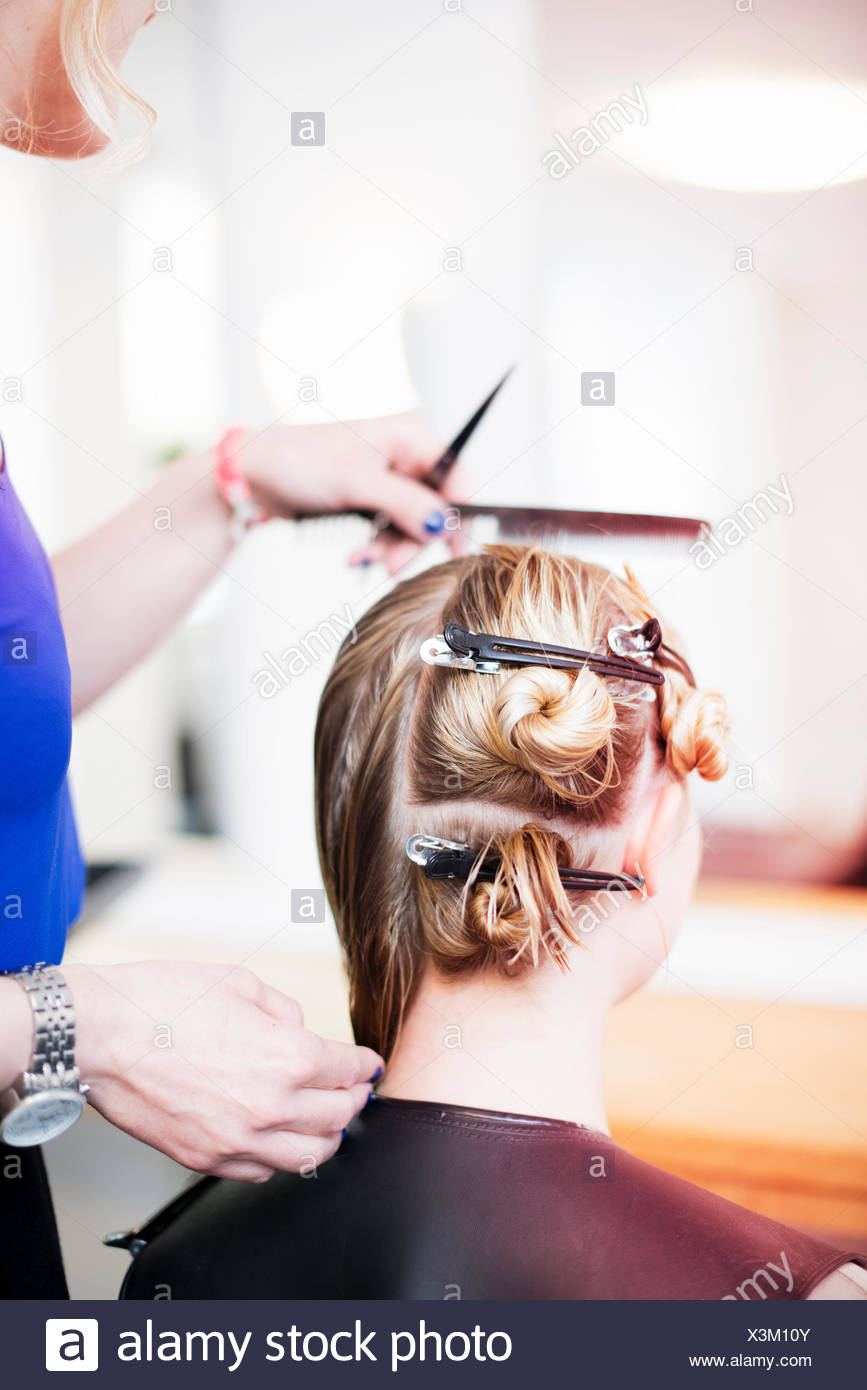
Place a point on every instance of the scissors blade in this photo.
(443, 466)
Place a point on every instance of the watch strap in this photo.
(53, 1061)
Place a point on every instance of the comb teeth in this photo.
(547, 525)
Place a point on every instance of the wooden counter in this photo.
(776, 1120)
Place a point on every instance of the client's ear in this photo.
(651, 830)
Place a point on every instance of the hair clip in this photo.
(482, 651)
(639, 642)
(643, 642)
(442, 859)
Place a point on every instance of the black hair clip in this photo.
(482, 651)
(454, 859)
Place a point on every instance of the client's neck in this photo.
(531, 1045)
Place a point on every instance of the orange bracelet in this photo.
(233, 486)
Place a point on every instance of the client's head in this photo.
(536, 768)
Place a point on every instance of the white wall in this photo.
(726, 379)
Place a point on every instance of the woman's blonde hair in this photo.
(509, 762)
(98, 86)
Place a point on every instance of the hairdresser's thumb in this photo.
(419, 511)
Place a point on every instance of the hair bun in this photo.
(525, 913)
(553, 722)
(696, 734)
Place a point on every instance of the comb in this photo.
(548, 524)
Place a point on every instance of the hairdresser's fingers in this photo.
(370, 554)
(456, 485)
(412, 448)
(458, 542)
(399, 553)
(394, 551)
(329, 1063)
(243, 1170)
(381, 551)
(326, 1112)
(418, 511)
(454, 489)
(285, 1151)
(289, 1151)
(270, 1000)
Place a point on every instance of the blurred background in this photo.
(674, 195)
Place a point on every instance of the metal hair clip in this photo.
(643, 642)
(435, 651)
(482, 651)
(442, 859)
(639, 642)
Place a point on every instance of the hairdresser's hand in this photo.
(214, 1067)
(366, 465)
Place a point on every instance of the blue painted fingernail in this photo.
(371, 1096)
(343, 1136)
(377, 1074)
(365, 561)
(434, 523)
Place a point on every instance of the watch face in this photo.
(41, 1117)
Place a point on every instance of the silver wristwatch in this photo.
(48, 1098)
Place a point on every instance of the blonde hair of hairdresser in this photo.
(510, 761)
(97, 84)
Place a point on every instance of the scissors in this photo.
(436, 476)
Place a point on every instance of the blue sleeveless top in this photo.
(41, 867)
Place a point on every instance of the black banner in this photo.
(429, 1344)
